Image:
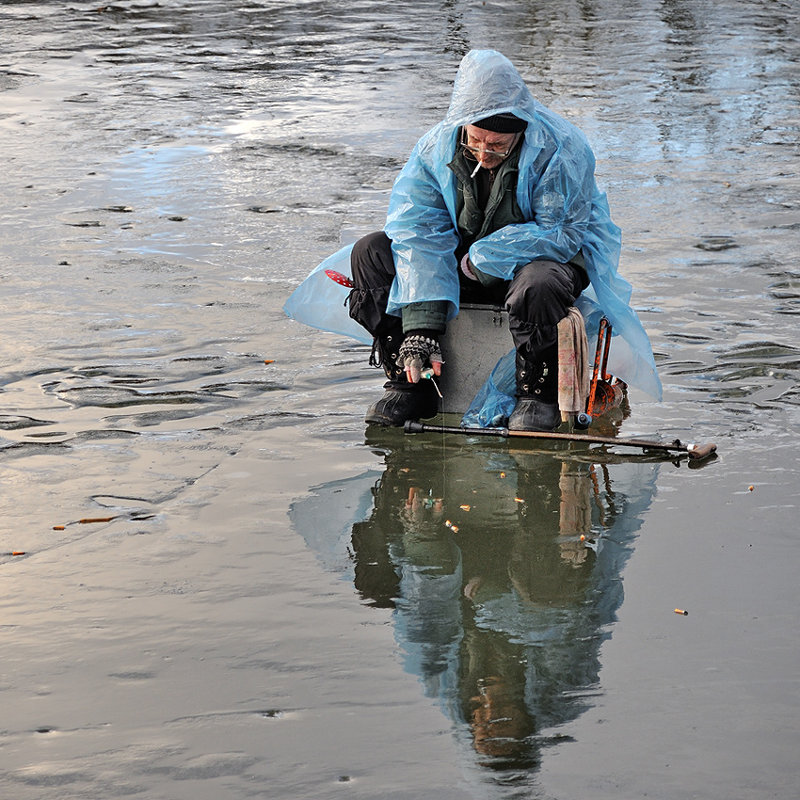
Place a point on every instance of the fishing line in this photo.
(429, 374)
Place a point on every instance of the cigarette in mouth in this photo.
(475, 171)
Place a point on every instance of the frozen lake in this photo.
(268, 600)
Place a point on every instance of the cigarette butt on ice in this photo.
(269, 360)
(88, 520)
(681, 611)
(58, 527)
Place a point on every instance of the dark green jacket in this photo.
(483, 206)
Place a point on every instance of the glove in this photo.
(418, 351)
(466, 267)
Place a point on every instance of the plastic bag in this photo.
(492, 405)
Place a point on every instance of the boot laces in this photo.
(377, 357)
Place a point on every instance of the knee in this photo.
(539, 276)
(371, 243)
(371, 254)
(539, 282)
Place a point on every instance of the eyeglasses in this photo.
(478, 150)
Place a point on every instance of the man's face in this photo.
(488, 147)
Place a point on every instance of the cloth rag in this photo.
(573, 364)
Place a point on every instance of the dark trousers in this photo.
(537, 297)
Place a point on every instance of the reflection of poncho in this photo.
(556, 192)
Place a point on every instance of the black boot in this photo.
(402, 400)
(537, 395)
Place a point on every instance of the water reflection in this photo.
(503, 569)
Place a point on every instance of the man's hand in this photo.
(418, 352)
(466, 267)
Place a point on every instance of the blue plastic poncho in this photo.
(556, 191)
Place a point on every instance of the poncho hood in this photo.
(487, 83)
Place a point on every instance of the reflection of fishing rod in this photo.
(694, 451)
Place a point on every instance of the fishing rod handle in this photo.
(413, 426)
(698, 451)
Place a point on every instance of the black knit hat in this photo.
(502, 123)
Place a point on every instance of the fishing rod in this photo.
(696, 452)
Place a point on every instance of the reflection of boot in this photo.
(402, 400)
(537, 394)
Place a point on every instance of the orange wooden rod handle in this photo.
(701, 450)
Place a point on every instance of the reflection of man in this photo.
(497, 203)
(497, 601)
(498, 606)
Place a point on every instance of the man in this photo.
(497, 203)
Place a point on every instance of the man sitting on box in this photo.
(497, 204)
